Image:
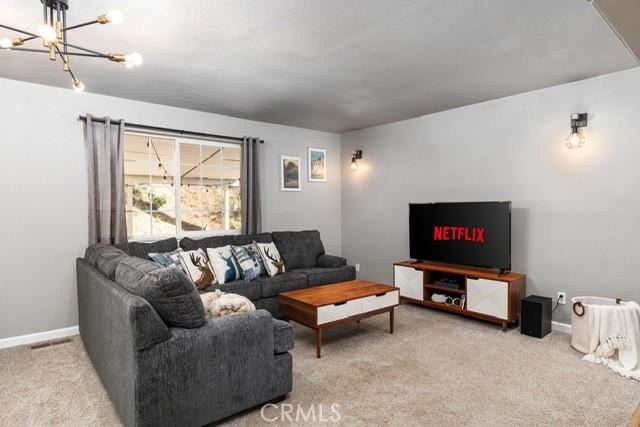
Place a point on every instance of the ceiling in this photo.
(326, 64)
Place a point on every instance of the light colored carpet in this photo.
(437, 369)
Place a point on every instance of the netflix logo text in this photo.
(467, 234)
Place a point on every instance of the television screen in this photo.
(470, 233)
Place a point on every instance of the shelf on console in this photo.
(444, 289)
(444, 306)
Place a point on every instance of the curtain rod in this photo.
(169, 130)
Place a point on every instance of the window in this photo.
(177, 186)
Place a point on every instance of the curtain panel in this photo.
(250, 186)
(104, 146)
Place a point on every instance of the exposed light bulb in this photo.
(115, 16)
(5, 43)
(133, 60)
(78, 86)
(47, 33)
(575, 140)
(354, 164)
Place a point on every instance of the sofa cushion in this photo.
(251, 290)
(282, 336)
(105, 258)
(169, 291)
(299, 249)
(323, 276)
(143, 249)
(189, 244)
(273, 286)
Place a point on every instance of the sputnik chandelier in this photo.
(54, 36)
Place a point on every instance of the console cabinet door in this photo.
(410, 282)
(489, 297)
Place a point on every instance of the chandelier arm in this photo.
(84, 24)
(88, 50)
(64, 33)
(64, 60)
(19, 31)
(84, 55)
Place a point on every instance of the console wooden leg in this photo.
(318, 342)
(504, 326)
(391, 320)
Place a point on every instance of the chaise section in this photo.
(205, 374)
(157, 375)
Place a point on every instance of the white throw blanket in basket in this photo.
(615, 338)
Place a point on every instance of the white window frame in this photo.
(177, 183)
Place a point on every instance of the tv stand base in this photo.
(486, 295)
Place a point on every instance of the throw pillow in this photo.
(168, 259)
(249, 267)
(197, 267)
(223, 264)
(271, 257)
(254, 253)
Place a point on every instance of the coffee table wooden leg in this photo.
(318, 342)
(391, 320)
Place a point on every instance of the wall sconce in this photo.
(576, 139)
(357, 155)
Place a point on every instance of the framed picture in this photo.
(317, 165)
(289, 173)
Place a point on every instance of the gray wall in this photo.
(44, 191)
(576, 214)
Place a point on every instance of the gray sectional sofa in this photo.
(160, 361)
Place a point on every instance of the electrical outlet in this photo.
(562, 297)
(357, 267)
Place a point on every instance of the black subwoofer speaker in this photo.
(535, 316)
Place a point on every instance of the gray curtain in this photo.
(250, 186)
(104, 145)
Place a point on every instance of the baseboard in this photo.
(561, 327)
(38, 337)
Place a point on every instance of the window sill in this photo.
(193, 235)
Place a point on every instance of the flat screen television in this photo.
(469, 233)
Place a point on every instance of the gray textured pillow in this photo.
(105, 258)
(298, 249)
(169, 291)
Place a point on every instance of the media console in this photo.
(488, 295)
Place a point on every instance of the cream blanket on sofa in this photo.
(615, 338)
(218, 303)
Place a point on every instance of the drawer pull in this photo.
(340, 303)
(381, 295)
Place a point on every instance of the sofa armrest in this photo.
(330, 261)
(283, 336)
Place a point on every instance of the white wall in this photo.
(43, 191)
(575, 213)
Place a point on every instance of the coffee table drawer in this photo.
(331, 313)
(377, 302)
